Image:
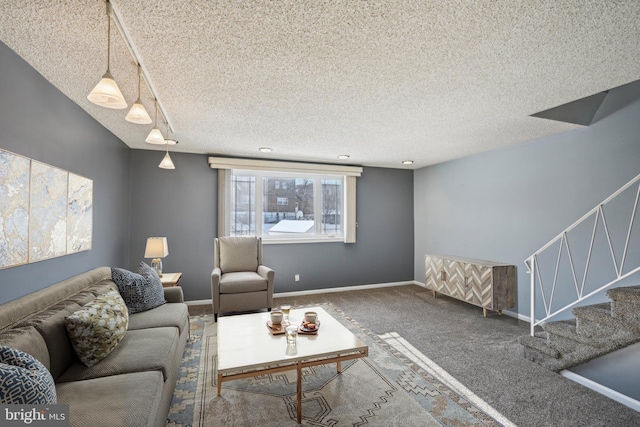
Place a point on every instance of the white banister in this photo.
(533, 266)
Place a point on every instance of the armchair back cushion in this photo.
(239, 254)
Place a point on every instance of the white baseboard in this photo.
(345, 289)
(321, 291)
(599, 388)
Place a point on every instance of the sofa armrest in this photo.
(173, 294)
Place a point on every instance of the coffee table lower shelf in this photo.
(338, 359)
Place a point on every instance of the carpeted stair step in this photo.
(562, 336)
(625, 304)
(536, 349)
(596, 321)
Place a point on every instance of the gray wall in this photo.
(182, 205)
(506, 204)
(383, 251)
(39, 122)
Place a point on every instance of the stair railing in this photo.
(533, 267)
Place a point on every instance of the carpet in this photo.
(394, 386)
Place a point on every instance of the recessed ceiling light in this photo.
(343, 156)
(265, 149)
(407, 162)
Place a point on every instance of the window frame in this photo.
(260, 168)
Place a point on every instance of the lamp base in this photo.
(156, 264)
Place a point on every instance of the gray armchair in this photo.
(239, 281)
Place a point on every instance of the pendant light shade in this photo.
(166, 162)
(138, 114)
(155, 136)
(107, 93)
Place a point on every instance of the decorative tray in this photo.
(305, 330)
(275, 329)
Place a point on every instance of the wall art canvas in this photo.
(48, 214)
(80, 213)
(14, 209)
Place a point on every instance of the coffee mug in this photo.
(310, 316)
(276, 317)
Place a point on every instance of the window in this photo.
(286, 202)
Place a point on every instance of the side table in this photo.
(170, 279)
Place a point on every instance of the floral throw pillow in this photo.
(97, 328)
(24, 380)
(142, 291)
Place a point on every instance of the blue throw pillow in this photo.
(141, 292)
(24, 380)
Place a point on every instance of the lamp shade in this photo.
(107, 93)
(166, 162)
(156, 247)
(155, 137)
(138, 114)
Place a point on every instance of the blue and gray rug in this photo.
(394, 386)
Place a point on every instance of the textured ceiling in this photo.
(382, 81)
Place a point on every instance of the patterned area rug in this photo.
(394, 386)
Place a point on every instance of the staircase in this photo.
(596, 330)
(598, 251)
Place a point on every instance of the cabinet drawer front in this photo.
(433, 269)
(454, 278)
(479, 289)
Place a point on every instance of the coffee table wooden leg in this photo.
(339, 366)
(219, 384)
(299, 390)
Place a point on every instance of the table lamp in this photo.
(157, 249)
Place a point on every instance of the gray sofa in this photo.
(134, 384)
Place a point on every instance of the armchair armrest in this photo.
(269, 275)
(173, 294)
(216, 274)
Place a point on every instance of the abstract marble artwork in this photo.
(45, 211)
(48, 213)
(80, 213)
(14, 209)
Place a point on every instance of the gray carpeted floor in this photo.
(480, 353)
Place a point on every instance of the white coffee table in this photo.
(246, 348)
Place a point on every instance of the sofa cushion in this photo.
(152, 349)
(240, 282)
(140, 292)
(50, 324)
(119, 400)
(24, 380)
(176, 315)
(29, 340)
(98, 327)
(238, 254)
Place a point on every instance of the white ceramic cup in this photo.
(310, 316)
(276, 317)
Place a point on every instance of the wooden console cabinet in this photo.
(487, 284)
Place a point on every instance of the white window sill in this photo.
(280, 241)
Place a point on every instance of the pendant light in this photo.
(155, 136)
(166, 162)
(138, 114)
(107, 93)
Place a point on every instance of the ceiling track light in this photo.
(138, 114)
(107, 93)
(155, 136)
(166, 162)
(113, 14)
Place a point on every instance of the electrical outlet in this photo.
(297, 278)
